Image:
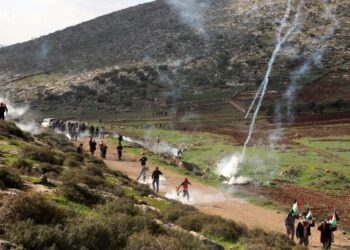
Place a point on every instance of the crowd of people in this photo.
(306, 222)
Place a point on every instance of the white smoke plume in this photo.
(197, 197)
(15, 111)
(229, 167)
(280, 42)
(30, 127)
(154, 146)
(191, 12)
(313, 60)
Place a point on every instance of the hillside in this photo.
(54, 198)
(148, 56)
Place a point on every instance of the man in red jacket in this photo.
(184, 186)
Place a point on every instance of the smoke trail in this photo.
(284, 23)
(265, 82)
(314, 59)
(191, 12)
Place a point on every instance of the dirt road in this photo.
(216, 202)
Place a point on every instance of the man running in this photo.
(3, 110)
(184, 186)
(120, 151)
(155, 177)
(143, 160)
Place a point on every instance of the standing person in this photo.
(303, 231)
(3, 110)
(184, 186)
(326, 230)
(155, 177)
(120, 151)
(80, 149)
(97, 132)
(92, 145)
(289, 222)
(92, 131)
(120, 139)
(143, 160)
(104, 151)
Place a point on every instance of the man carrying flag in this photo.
(327, 228)
(303, 231)
(296, 208)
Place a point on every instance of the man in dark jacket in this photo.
(326, 234)
(80, 149)
(289, 222)
(143, 160)
(92, 145)
(303, 231)
(120, 151)
(3, 110)
(155, 177)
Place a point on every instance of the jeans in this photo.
(155, 185)
(143, 173)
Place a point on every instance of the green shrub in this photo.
(143, 189)
(177, 210)
(9, 178)
(225, 230)
(9, 129)
(31, 206)
(42, 155)
(260, 239)
(74, 176)
(80, 194)
(146, 241)
(23, 166)
(46, 168)
(193, 221)
(94, 171)
(37, 237)
(72, 162)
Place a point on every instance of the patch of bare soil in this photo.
(321, 203)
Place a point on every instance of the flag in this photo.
(295, 208)
(309, 215)
(333, 222)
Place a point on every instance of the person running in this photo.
(303, 231)
(143, 160)
(184, 186)
(80, 149)
(326, 230)
(120, 151)
(93, 146)
(104, 151)
(3, 110)
(155, 177)
(289, 222)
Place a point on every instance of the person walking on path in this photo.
(155, 177)
(143, 160)
(120, 139)
(92, 145)
(184, 186)
(120, 152)
(103, 149)
(303, 231)
(326, 230)
(289, 222)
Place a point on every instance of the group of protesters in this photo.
(307, 221)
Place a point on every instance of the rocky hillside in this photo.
(153, 56)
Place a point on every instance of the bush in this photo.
(49, 168)
(146, 241)
(9, 129)
(223, 229)
(74, 176)
(23, 166)
(259, 239)
(124, 205)
(37, 237)
(72, 160)
(143, 189)
(42, 155)
(23, 207)
(80, 194)
(9, 178)
(177, 210)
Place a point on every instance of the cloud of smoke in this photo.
(30, 127)
(191, 12)
(15, 111)
(313, 60)
(197, 197)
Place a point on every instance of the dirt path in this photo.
(215, 202)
